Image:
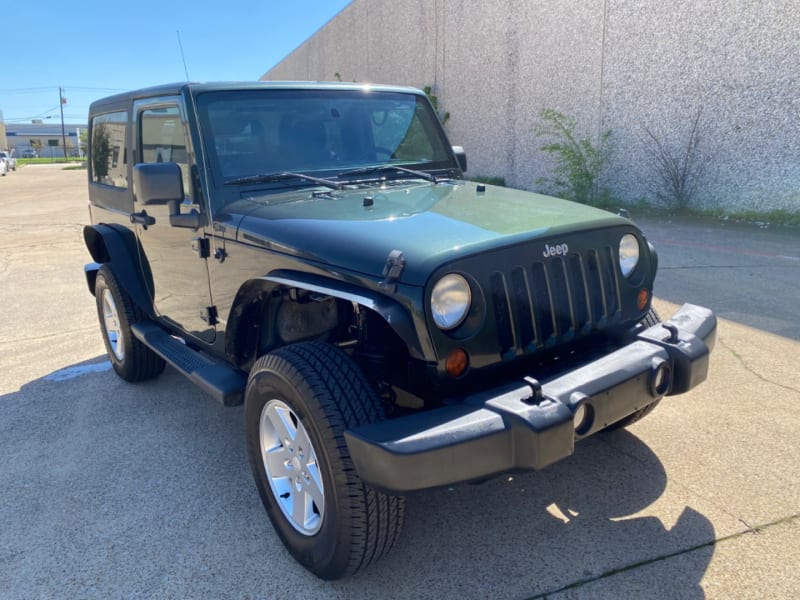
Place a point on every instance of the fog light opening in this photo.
(456, 362)
(660, 379)
(583, 417)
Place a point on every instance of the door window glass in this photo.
(163, 139)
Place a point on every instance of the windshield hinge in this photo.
(201, 247)
(395, 263)
(209, 315)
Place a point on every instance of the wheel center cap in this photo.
(297, 465)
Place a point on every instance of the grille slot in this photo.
(541, 305)
(522, 300)
(547, 302)
(502, 316)
(595, 288)
(577, 293)
(610, 287)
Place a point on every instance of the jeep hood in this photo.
(432, 224)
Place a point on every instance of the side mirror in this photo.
(157, 183)
(461, 157)
(162, 183)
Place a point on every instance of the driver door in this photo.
(172, 254)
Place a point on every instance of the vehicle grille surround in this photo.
(547, 302)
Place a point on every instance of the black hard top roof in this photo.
(172, 89)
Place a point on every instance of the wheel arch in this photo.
(116, 247)
(246, 316)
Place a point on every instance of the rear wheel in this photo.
(650, 319)
(131, 359)
(298, 403)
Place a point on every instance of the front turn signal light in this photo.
(456, 362)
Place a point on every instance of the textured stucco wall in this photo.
(611, 64)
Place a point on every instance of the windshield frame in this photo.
(424, 118)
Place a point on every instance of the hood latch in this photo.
(395, 263)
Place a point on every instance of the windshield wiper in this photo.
(274, 177)
(382, 168)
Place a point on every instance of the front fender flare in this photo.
(397, 317)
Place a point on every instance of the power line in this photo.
(39, 116)
(55, 87)
(27, 90)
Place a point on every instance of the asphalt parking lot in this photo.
(109, 489)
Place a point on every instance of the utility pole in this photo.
(61, 102)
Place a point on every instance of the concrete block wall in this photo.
(610, 64)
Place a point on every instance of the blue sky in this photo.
(95, 48)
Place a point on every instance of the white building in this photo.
(611, 64)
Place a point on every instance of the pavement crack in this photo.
(642, 563)
(687, 488)
(47, 337)
(752, 371)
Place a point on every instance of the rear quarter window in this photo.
(108, 151)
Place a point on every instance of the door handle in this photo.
(142, 218)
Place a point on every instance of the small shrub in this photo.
(678, 170)
(578, 162)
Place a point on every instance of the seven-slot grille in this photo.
(554, 300)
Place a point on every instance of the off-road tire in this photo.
(131, 359)
(326, 393)
(650, 319)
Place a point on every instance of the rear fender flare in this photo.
(116, 247)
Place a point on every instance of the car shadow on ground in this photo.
(113, 489)
(531, 534)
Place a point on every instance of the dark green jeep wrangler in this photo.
(313, 251)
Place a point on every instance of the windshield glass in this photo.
(273, 131)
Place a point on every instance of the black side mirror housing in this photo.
(157, 183)
(162, 183)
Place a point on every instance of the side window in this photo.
(163, 139)
(109, 157)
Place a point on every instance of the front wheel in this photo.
(299, 401)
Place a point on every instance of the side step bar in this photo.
(221, 381)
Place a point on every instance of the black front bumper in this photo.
(528, 424)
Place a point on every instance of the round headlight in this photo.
(450, 301)
(628, 254)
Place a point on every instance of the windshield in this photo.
(254, 132)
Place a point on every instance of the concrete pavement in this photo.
(109, 489)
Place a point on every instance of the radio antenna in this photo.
(183, 58)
